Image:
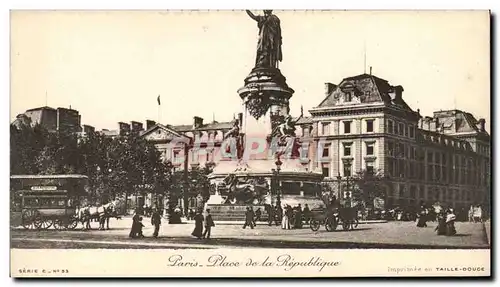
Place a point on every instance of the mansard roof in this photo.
(365, 88)
(457, 121)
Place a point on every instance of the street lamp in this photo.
(278, 189)
(339, 181)
(168, 211)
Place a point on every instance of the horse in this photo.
(102, 214)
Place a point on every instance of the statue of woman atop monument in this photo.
(269, 47)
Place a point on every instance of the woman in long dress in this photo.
(198, 225)
(134, 230)
(441, 227)
(285, 222)
(450, 223)
(422, 217)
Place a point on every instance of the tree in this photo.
(368, 186)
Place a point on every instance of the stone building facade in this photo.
(364, 124)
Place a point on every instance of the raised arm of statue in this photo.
(252, 15)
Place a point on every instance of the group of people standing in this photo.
(199, 219)
(137, 225)
(295, 217)
(445, 218)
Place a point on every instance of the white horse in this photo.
(102, 214)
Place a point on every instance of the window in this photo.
(347, 150)
(390, 126)
(347, 127)
(412, 131)
(413, 192)
(348, 97)
(369, 148)
(370, 167)
(325, 129)
(413, 153)
(369, 126)
(347, 169)
(326, 150)
(396, 129)
(326, 171)
(304, 130)
(390, 148)
(401, 129)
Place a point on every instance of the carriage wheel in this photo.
(314, 225)
(29, 217)
(346, 225)
(331, 225)
(42, 223)
(72, 224)
(59, 224)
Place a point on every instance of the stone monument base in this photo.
(230, 212)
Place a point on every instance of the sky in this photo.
(111, 66)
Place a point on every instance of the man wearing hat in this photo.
(209, 223)
(156, 221)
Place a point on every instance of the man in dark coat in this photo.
(209, 223)
(249, 217)
(156, 222)
(258, 214)
(271, 215)
(307, 213)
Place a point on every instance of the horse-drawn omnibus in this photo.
(48, 200)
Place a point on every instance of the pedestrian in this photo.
(270, 215)
(422, 217)
(258, 214)
(279, 214)
(134, 230)
(156, 221)
(209, 223)
(198, 225)
(298, 217)
(249, 217)
(139, 228)
(441, 227)
(450, 223)
(307, 213)
(285, 222)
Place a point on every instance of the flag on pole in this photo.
(158, 99)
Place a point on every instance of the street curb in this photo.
(266, 223)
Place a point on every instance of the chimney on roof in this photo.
(398, 90)
(150, 124)
(124, 128)
(198, 122)
(370, 70)
(436, 123)
(329, 87)
(240, 118)
(420, 119)
(136, 127)
(482, 123)
(88, 129)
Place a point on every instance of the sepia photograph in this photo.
(225, 143)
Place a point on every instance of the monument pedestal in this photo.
(224, 212)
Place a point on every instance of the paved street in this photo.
(376, 235)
